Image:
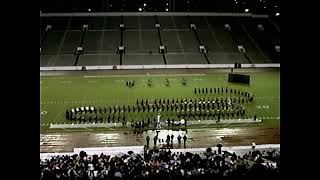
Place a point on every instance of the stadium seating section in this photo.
(141, 40)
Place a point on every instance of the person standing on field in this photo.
(184, 141)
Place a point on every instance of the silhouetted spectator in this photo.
(148, 139)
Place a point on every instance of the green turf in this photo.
(61, 92)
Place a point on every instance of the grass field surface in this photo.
(59, 93)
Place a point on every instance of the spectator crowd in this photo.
(160, 164)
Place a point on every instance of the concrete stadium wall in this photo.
(240, 150)
(178, 66)
(61, 68)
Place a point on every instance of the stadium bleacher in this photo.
(141, 40)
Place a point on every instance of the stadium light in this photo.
(246, 10)
(140, 9)
(277, 14)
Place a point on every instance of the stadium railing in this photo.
(103, 14)
(178, 66)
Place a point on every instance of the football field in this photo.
(59, 93)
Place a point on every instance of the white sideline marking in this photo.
(65, 82)
(226, 124)
(265, 97)
(245, 124)
(270, 118)
(144, 75)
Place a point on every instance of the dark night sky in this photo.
(255, 6)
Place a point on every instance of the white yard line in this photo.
(44, 106)
(54, 120)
